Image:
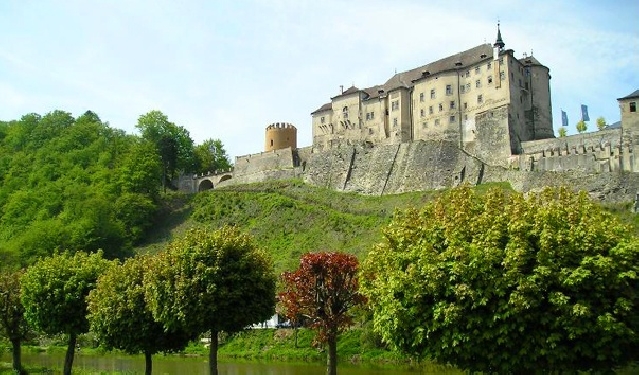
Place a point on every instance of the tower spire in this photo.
(499, 42)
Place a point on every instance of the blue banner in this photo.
(564, 118)
(584, 113)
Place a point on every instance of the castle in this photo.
(484, 99)
(481, 115)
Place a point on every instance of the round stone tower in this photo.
(280, 135)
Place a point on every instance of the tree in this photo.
(173, 143)
(601, 123)
(119, 316)
(581, 126)
(506, 284)
(562, 132)
(324, 288)
(211, 281)
(211, 156)
(54, 291)
(12, 322)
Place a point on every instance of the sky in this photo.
(227, 69)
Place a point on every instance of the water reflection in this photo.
(199, 365)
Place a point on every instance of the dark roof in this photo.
(466, 58)
(530, 60)
(614, 125)
(325, 107)
(631, 96)
(351, 90)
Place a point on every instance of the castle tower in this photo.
(280, 135)
(498, 47)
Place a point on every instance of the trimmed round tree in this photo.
(211, 281)
(324, 289)
(54, 291)
(119, 316)
(12, 322)
(507, 284)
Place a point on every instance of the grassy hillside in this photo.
(288, 218)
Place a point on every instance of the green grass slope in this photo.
(288, 218)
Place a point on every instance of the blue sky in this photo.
(226, 69)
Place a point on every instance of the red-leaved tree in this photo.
(323, 289)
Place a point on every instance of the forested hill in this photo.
(77, 184)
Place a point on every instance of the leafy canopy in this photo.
(119, 315)
(54, 291)
(505, 284)
(211, 280)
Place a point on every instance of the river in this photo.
(175, 364)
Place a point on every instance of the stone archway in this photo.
(205, 185)
(226, 177)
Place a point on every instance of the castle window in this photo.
(633, 106)
(421, 96)
(430, 110)
(465, 117)
(271, 143)
(502, 76)
(425, 124)
(322, 120)
(421, 113)
(432, 93)
(465, 105)
(441, 107)
(462, 89)
(478, 83)
(371, 131)
(489, 65)
(345, 112)
(436, 122)
(490, 80)
(372, 115)
(452, 119)
(449, 89)
(480, 99)
(467, 73)
(477, 70)
(501, 61)
(368, 116)
(520, 84)
(468, 87)
(452, 104)
(395, 105)
(395, 122)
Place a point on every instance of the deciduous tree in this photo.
(581, 126)
(54, 290)
(601, 123)
(562, 132)
(12, 322)
(211, 156)
(173, 143)
(324, 288)
(119, 316)
(211, 281)
(507, 284)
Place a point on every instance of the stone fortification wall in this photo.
(390, 169)
(596, 152)
(277, 164)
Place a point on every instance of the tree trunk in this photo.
(68, 358)
(295, 328)
(147, 362)
(331, 359)
(17, 355)
(213, 353)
